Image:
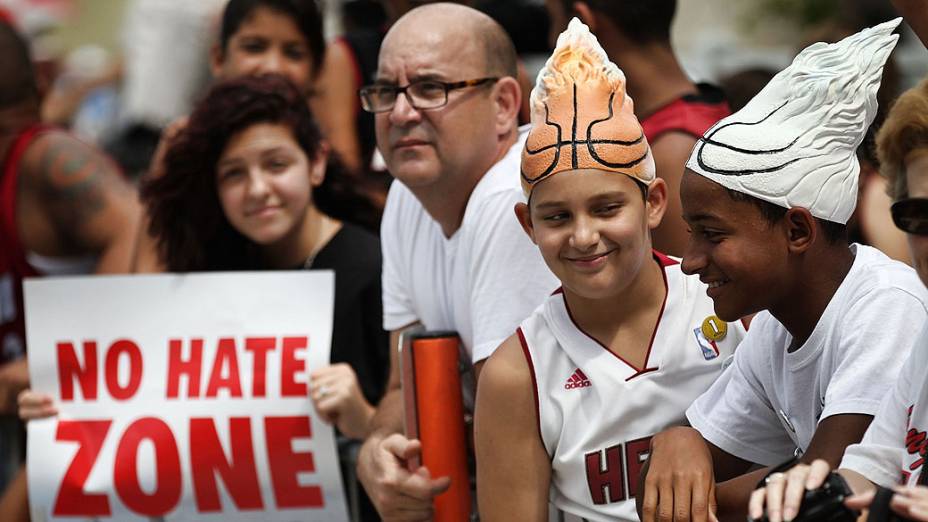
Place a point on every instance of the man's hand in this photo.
(680, 484)
(398, 494)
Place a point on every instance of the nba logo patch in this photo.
(708, 347)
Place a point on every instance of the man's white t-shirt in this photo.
(766, 406)
(894, 449)
(482, 281)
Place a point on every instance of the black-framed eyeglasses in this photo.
(911, 215)
(422, 94)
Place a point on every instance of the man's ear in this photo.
(508, 98)
(524, 215)
(582, 11)
(216, 59)
(801, 229)
(656, 203)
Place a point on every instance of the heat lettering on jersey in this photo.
(609, 470)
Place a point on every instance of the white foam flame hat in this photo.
(795, 143)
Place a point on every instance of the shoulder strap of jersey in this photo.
(9, 173)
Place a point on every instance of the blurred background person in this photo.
(64, 209)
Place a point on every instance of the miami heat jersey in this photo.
(597, 413)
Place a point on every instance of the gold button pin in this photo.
(714, 328)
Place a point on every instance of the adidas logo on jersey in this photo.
(577, 380)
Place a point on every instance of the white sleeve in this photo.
(509, 278)
(734, 413)
(877, 335)
(398, 308)
(880, 454)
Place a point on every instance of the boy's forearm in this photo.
(733, 495)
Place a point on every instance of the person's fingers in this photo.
(796, 480)
(39, 412)
(664, 502)
(651, 495)
(756, 503)
(713, 503)
(698, 510)
(421, 486)
(408, 448)
(917, 493)
(818, 472)
(437, 485)
(861, 501)
(901, 504)
(776, 483)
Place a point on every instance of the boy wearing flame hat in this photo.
(567, 405)
(767, 193)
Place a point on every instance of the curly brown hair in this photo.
(905, 130)
(192, 231)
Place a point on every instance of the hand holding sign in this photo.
(337, 397)
(34, 405)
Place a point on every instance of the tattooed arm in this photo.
(73, 201)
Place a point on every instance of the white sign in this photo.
(181, 397)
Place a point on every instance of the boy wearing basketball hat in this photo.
(567, 405)
(767, 193)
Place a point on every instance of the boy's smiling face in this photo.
(591, 227)
(733, 248)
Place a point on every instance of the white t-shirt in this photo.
(597, 413)
(482, 281)
(894, 449)
(766, 406)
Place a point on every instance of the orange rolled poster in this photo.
(435, 415)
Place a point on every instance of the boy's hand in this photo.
(680, 484)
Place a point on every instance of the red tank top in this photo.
(13, 264)
(692, 114)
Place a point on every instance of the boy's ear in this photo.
(525, 219)
(801, 228)
(656, 204)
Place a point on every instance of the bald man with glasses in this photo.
(455, 258)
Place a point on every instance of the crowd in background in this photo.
(261, 112)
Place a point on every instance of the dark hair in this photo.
(305, 14)
(17, 77)
(831, 231)
(183, 204)
(641, 21)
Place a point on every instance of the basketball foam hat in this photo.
(795, 143)
(581, 116)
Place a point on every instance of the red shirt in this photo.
(13, 264)
(692, 114)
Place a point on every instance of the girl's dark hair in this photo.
(305, 14)
(186, 217)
